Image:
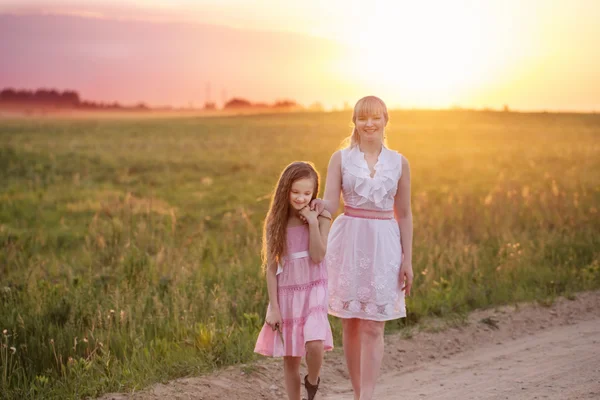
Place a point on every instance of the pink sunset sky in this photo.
(530, 55)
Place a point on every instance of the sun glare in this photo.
(433, 55)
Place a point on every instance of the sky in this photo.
(529, 55)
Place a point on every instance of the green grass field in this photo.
(129, 249)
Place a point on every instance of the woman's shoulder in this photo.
(337, 158)
(394, 156)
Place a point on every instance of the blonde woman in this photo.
(369, 255)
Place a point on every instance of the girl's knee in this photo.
(314, 346)
(292, 362)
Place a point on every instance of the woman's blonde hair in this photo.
(275, 227)
(367, 106)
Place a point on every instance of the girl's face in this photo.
(301, 193)
(370, 128)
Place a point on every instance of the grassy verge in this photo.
(129, 249)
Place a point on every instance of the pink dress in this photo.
(302, 296)
(364, 251)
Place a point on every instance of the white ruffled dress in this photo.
(364, 254)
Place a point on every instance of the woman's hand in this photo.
(309, 216)
(406, 277)
(317, 205)
(273, 319)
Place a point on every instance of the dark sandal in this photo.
(311, 390)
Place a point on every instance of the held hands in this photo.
(405, 278)
(273, 319)
(309, 216)
(317, 205)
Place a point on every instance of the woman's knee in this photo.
(351, 324)
(372, 329)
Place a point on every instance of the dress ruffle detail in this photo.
(374, 189)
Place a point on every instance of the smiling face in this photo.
(301, 193)
(370, 118)
(370, 127)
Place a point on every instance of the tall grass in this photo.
(129, 249)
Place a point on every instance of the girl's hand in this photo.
(406, 277)
(318, 205)
(309, 216)
(273, 319)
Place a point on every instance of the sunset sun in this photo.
(433, 57)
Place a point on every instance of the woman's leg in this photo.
(291, 372)
(352, 350)
(371, 342)
(314, 360)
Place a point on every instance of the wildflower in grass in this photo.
(5, 332)
(555, 190)
(14, 350)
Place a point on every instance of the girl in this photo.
(293, 252)
(370, 257)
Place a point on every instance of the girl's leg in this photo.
(314, 360)
(371, 338)
(352, 351)
(291, 372)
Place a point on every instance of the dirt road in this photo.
(524, 352)
(560, 363)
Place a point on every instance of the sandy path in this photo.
(524, 352)
(561, 363)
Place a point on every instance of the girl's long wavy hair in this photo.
(275, 227)
(367, 106)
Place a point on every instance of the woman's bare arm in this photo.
(333, 184)
(403, 213)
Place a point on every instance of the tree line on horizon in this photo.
(71, 99)
(56, 99)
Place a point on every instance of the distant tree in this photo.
(316, 106)
(237, 103)
(210, 105)
(285, 104)
(70, 98)
(8, 94)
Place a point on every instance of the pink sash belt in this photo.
(368, 214)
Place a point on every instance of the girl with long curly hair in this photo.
(293, 253)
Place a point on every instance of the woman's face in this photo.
(370, 128)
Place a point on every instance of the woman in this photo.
(369, 254)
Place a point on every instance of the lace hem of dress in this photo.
(367, 309)
(302, 320)
(302, 287)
